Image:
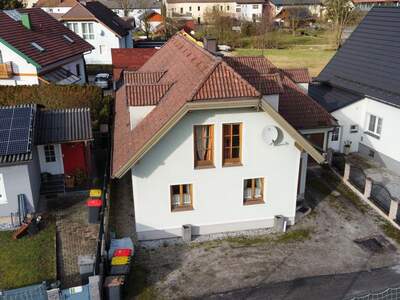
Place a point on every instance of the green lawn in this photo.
(313, 58)
(28, 260)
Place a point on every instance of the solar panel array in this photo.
(15, 130)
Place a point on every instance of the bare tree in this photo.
(295, 16)
(341, 13)
(220, 24)
(126, 6)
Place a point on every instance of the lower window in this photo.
(49, 153)
(253, 191)
(181, 197)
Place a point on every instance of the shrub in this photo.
(58, 96)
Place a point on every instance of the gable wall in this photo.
(217, 192)
(25, 72)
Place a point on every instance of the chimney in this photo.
(26, 20)
(210, 44)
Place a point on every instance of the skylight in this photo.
(68, 38)
(37, 46)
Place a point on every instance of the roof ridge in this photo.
(201, 83)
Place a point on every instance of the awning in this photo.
(61, 76)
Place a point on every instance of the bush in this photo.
(59, 96)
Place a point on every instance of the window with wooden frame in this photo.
(181, 197)
(204, 146)
(232, 144)
(253, 191)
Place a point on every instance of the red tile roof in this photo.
(189, 67)
(56, 3)
(300, 75)
(145, 94)
(300, 110)
(142, 77)
(129, 59)
(46, 32)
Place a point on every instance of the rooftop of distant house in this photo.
(38, 37)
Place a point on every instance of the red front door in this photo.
(74, 158)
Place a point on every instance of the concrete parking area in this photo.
(340, 235)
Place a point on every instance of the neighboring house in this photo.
(129, 59)
(206, 142)
(366, 5)
(34, 141)
(360, 88)
(316, 8)
(35, 48)
(196, 9)
(135, 7)
(150, 20)
(252, 10)
(95, 23)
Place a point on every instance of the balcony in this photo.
(6, 70)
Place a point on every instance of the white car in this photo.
(102, 80)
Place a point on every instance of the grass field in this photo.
(313, 58)
(28, 260)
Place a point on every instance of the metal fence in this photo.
(357, 177)
(388, 294)
(381, 197)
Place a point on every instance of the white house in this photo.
(35, 48)
(360, 88)
(206, 147)
(95, 23)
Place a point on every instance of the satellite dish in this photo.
(272, 135)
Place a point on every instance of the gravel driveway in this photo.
(321, 243)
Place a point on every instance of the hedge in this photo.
(58, 96)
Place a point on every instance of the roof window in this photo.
(68, 38)
(37, 46)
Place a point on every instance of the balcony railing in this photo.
(6, 70)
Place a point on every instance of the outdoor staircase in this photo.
(52, 184)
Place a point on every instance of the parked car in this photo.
(102, 80)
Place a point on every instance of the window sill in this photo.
(372, 134)
(204, 167)
(178, 209)
(253, 202)
(239, 164)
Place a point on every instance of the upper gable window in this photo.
(204, 146)
(375, 125)
(87, 31)
(232, 144)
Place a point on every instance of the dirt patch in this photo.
(320, 243)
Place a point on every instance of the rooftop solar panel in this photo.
(16, 130)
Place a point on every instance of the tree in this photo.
(126, 6)
(220, 24)
(10, 4)
(295, 16)
(341, 13)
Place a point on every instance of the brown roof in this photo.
(196, 74)
(145, 94)
(142, 77)
(97, 11)
(45, 31)
(56, 3)
(129, 59)
(300, 110)
(300, 75)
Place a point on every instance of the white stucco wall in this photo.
(246, 11)
(56, 10)
(217, 192)
(25, 72)
(104, 40)
(193, 8)
(357, 113)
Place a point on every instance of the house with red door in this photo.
(42, 151)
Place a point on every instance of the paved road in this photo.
(329, 287)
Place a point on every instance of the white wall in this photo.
(54, 168)
(72, 68)
(56, 10)
(192, 8)
(137, 113)
(357, 112)
(248, 10)
(25, 72)
(104, 40)
(217, 192)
